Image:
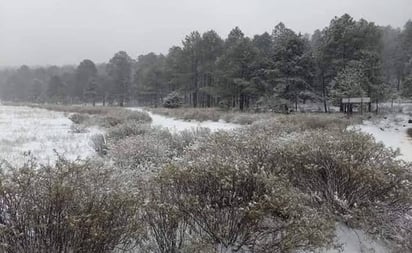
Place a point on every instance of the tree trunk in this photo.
(296, 103)
(121, 102)
(241, 100)
(325, 106)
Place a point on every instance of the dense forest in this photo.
(269, 71)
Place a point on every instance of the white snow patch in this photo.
(392, 132)
(177, 125)
(42, 133)
(355, 241)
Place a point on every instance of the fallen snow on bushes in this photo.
(41, 133)
(176, 125)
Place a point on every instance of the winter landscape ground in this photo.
(151, 183)
(29, 132)
(249, 126)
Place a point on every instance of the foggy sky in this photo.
(48, 32)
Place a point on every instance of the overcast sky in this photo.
(47, 32)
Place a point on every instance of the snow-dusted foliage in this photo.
(172, 100)
(69, 207)
(234, 190)
(225, 192)
(149, 149)
(358, 179)
(287, 184)
(140, 150)
(126, 130)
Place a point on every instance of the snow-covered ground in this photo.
(391, 131)
(176, 125)
(42, 133)
(355, 241)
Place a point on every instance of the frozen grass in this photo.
(41, 133)
(103, 116)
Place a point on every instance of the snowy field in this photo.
(177, 125)
(41, 133)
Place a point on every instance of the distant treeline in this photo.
(271, 70)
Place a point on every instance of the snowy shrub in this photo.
(127, 129)
(78, 118)
(111, 121)
(184, 139)
(149, 149)
(139, 150)
(69, 207)
(138, 116)
(223, 192)
(172, 100)
(242, 209)
(312, 122)
(358, 179)
(165, 223)
(347, 174)
(348, 169)
(114, 118)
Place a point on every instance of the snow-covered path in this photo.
(177, 125)
(41, 133)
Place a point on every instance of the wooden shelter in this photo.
(347, 104)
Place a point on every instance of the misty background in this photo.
(60, 32)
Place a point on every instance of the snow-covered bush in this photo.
(78, 118)
(186, 138)
(224, 193)
(238, 206)
(334, 172)
(138, 116)
(69, 207)
(141, 146)
(358, 179)
(348, 169)
(117, 117)
(127, 129)
(113, 118)
(165, 224)
(141, 150)
(172, 100)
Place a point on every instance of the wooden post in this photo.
(361, 106)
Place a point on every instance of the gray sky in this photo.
(47, 32)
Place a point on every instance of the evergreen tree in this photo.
(56, 89)
(85, 73)
(120, 70)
